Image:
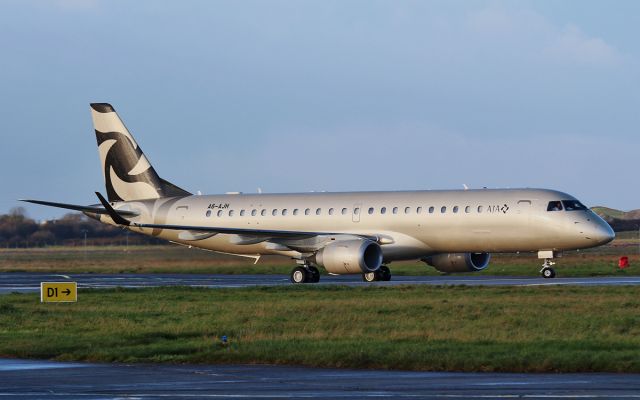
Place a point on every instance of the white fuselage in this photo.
(408, 225)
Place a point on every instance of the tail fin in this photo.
(128, 174)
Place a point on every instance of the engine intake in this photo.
(459, 262)
(350, 257)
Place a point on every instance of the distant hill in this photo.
(619, 220)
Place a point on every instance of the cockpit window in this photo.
(573, 205)
(554, 206)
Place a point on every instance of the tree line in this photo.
(74, 229)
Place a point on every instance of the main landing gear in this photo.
(305, 274)
(382, 274)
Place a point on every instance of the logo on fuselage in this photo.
(498, 208)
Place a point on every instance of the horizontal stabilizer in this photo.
(89, 209)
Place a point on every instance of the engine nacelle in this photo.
(350, 257)
(459, 262)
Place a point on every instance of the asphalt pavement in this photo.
(46, 379)
(30, 282)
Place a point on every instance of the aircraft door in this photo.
(357, 210)
(524, 210)
(181, 212)
(523, 206)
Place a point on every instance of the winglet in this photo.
(117, 218)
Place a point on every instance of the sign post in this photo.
(58, 292)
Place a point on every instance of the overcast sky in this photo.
(294, 96)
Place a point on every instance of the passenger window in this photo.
(219, 213)
(307, 211)
(274, 212)
(443, 209)
(455, 209)
(370, 210)
(231, 213)
(554, 206)
(573, 205)
(318, 211)
(431, 210)
(344, 211)
(479, 209)
(383, 210)
(407, 210)
(242, 213)
(284, 212)
(467, 209)
(418, 210)
(356, 211)
(208, 213)
(263, 212)
(395, 210)
(331, 211)
(295, 211)
(253, 212)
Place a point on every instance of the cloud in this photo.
(527, 32)
(571, 44)
(503, 22)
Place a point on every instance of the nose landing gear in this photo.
(547, 271)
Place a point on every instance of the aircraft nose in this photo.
(600, 232)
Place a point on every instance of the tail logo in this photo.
(128, 174)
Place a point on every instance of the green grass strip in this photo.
(533, 329)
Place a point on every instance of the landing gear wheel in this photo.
(299, 275)
(548, 272)
(314, 274)
(384, 273)
(370, 276)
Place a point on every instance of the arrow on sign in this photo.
(67, 292)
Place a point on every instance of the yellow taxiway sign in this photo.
(58, 292)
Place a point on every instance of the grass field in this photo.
(174, 258)
(417, 328)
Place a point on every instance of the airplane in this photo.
(345, 233)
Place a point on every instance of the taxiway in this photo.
(46, 379)
(30, 282)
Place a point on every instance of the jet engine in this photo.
(459, 262)
(350, 257)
